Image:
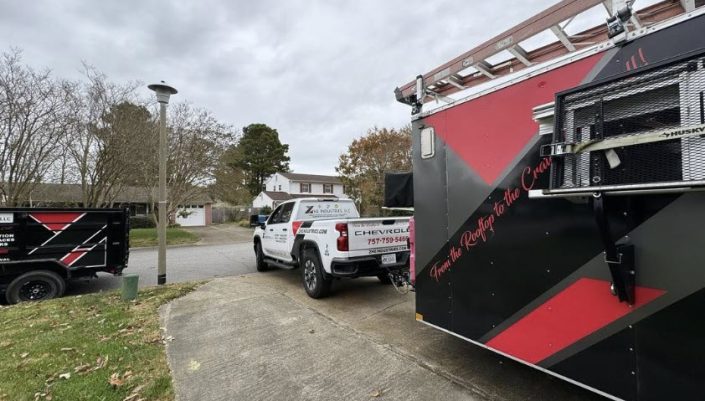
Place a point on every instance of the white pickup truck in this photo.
(328, 240)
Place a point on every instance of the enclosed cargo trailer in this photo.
(559, 213)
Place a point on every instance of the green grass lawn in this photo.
(89, 347)
(140, 237)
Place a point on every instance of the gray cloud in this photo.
(321, 72)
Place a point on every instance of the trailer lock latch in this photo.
(619, 257)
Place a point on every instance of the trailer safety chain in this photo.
(619, 257)
(400, 281)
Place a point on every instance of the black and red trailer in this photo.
(559, 213)
(41, 249)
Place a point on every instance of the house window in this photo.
(327, 188)
(305, 188)
(280, 188)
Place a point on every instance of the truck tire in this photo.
(35, 286)
(262, 266)
(316, 284)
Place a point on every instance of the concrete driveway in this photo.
(259, 337)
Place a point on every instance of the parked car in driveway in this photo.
(329, 240)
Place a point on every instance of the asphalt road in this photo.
(183, 264)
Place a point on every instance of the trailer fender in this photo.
(16, 268)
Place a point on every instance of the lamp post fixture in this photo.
(163, 92)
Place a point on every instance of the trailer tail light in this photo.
(342, 242)
(295, 226)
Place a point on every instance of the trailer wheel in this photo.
(262, 266)
(316, 284)
(35, 286)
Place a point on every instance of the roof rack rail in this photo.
(472, 68)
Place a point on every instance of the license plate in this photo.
(389, 259)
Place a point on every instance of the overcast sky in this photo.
(321, 72)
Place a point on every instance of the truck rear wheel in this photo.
(316, 284)
(35, 286)
(261, 264)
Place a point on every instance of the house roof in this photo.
(283, 196)
(325, 179)
(277, 196)
(71, 193)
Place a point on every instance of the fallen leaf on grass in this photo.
(115, 380)
(136, 390)
(66, 349)
(24, 355)
(101, 362)
(65, 376)
(81, 368)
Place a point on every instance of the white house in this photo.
(284, 186)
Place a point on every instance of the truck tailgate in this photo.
(378, 236)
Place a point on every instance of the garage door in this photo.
(191, 216)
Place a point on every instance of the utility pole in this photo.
(163, 92)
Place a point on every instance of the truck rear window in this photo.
(327, 210)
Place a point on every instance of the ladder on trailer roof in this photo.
(472, 68)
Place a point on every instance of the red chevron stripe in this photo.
(73, 256)
(583, 308)
(56, 221)
(489, 132)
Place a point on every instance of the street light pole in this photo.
(163, 92)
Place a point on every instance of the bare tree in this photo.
(108, 128)
(33, 110)
(197, 141)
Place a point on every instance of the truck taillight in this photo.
(295, 226)
(342, 241)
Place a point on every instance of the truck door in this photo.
(277, 233)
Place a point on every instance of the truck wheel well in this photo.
(10, 271)
(309, 245)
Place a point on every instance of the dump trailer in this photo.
(558, 198)
(42, 249)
